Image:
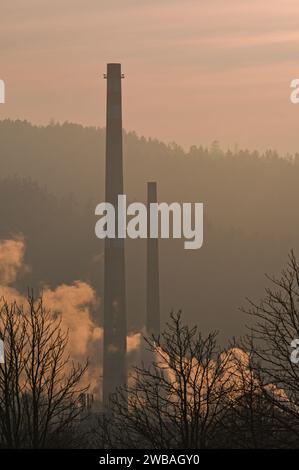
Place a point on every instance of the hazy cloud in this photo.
(176, 56)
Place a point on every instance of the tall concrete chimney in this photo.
(152, 288)
(115, 322)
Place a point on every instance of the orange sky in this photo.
(196, 70)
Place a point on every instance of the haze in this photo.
(195, 70)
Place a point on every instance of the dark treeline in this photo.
(69, 159)
(52, 178)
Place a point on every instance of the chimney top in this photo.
(113, 70)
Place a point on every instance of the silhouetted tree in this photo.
(276, 325)
(39, 385)
(178, 400)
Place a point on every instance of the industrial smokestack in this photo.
(115, 322)
(152, 291)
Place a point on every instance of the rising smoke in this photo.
(74, 303)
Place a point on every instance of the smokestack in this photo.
(115, 322)
(152, 291)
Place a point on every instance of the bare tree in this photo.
(190, 394)
(39, 385)
(178, 400)
(276, 325)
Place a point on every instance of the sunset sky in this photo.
(196, 70)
